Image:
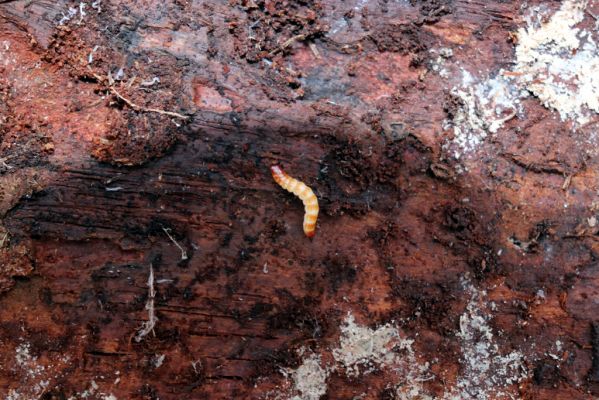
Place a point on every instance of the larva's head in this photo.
(277, 173)
(310, 234)
(276, 170)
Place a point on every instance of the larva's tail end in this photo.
(310, 234)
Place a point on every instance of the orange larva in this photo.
(302, 191)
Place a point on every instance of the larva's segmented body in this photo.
(302, 191)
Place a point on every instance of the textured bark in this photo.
(107, 175)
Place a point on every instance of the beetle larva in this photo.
(302, 191)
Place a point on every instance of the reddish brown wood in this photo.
(96, 188)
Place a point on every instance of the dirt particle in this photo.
(404, 39)
(338, 270)
(298, 314)
(441, 171)
(135, 139)
(273, 26)
(459, 219)
(431, 11)
(546, 374)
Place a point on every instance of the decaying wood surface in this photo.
(146, 252)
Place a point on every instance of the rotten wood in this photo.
(146, 253)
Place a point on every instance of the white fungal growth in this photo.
(22, 355)
(486, 372)
(439, 58)
(361, 351)
(93, 392)
(555, 60)
(309, 379)
(559, 62)
(33, 376)
(484, 108)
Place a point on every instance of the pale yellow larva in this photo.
(302, 191)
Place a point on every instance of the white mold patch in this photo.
(483, 109)
(93, 392)
(439, 58)
(361, 351)
(6, 55)
(555, 60)
(486, 372)
(35, 376)
(559, 63)
(310, 379)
